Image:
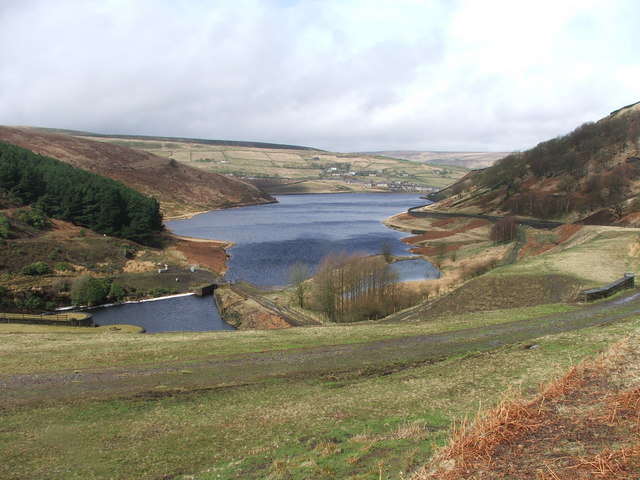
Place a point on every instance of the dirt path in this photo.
(522, 240)
(338, 362)
(529, 222)
(292, 317)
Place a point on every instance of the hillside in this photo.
(283, 169)
(581, 426)
(179, 188)
(67, 254)
(458, 159)
(89, 200)
(589, 175)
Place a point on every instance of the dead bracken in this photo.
(583, 425)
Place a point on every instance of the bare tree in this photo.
(298, 274)
(387, 251)
(504, 230)
(347, 287)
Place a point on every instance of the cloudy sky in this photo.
(343, 75)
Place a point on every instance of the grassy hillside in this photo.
(179, 188)
(290, 169)
(591, 173)
(459, 159)
(358, 401)
(203, 406)
(581, 426)
(67, 255)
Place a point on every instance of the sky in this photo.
(340, 75)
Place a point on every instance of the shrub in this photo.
(65, 267)
(5, 227)
(34, 302)
(36, 268)
(34, 217)
(116, 292)
(87, 290)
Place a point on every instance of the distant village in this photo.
(367, 178)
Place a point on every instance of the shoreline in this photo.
(84, 308)
(219, 243)
(186, 216)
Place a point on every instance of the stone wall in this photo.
(628, 281)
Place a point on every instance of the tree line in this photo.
(86, 199)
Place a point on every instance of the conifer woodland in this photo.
(86, 199)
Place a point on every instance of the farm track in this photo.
(342, 363)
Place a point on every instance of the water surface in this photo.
(173, 314)
(270, 238)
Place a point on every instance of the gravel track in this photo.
(333, 361)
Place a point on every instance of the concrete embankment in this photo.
(245, 313)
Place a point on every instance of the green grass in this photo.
(600, 256)
(31, 352)
(54, 329)
(294, 164)
(367, 427)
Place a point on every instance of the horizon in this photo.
(343, 76)
(226, 140)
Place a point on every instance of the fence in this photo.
(69, 320)
(628, 281)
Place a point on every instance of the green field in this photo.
(356, 172)
(262, 404)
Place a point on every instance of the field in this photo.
(461, 159)
(371, 400)
(274, 169)
(319, 402)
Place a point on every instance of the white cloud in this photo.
(335, 74)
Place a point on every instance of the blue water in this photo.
(270, 238)
(414, 269)
(174, 314)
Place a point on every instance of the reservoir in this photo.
(185, 313)
(269, 239)
(305, 228)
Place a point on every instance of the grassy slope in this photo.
(571, 260)
(50, 353)
(461, 159)
(299, 165)
(180, 189)
(591, 414)
(359, 424)
(366, 423)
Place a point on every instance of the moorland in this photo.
(498, 371)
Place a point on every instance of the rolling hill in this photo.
(458, 159)
(590, 175)
(180, 189)
(283, 169)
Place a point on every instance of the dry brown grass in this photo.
(582, 425)
(137, 266)
(474, 444)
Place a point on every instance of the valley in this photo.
(285, 169)
(368, 387)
